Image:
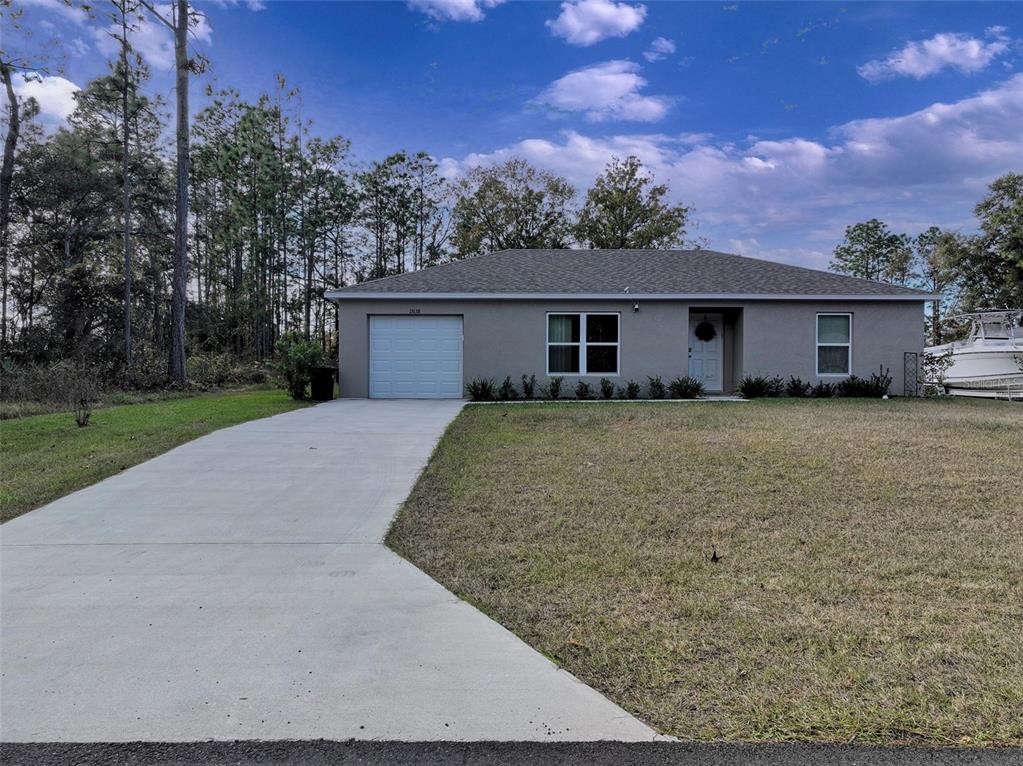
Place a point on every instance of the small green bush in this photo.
(822, 391)
(797, 387)
(582, 390)
(685, 387)
(875, 386)
(655, 387)
(632, 390)
(759, 386)
(607, 389)
(529, 386)
(553, 389)
(481, 390)
(507, 393)
(296, 359)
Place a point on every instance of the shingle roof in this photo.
(621, 272)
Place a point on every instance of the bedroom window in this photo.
(834, 344)
(582, 344)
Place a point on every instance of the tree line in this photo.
(275, 214)
(971, 272)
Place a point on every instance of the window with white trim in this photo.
(582, 344)
(834, 344)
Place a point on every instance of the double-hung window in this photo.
(582, 344)
(834, 344)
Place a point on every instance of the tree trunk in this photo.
(6, 174)
(179, 284)
(125, 190)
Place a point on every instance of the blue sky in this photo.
(780, 123)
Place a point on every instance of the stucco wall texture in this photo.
(766, 337)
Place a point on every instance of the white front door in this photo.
(706, 356)
(415, 357)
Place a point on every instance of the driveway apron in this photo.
(237, 588)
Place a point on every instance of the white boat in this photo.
(990, 361)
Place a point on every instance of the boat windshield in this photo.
(995, 330)
(997, 327)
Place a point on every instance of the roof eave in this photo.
(338, 295)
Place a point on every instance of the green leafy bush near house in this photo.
(760, 386)
(822, 391)
(582, 390)
(529, 386)
(797, 387)
(685, 387)
(481, 390)
(655, 387)
(296, 360)
(607, 389)
(507, 392)
(876, 386)
(632, 390)
(553, 388)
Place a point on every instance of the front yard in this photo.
(870, 581)
(47, 456)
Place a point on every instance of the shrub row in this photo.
(487, 390)
(761, 386)
(683, 387)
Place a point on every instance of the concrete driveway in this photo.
(237, 588)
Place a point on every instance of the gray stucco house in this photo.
(618, 314)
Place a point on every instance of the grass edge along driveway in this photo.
(871, 581)
(46, 457)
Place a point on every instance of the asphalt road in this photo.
(321, 753)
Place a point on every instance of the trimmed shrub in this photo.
(582, 390)
(655, 387)
(874, 387)
(759, 386)
(797, 387)
(607, 389)
(632, 390)
(822, 391)
(685, 387)
(296, 359)
(553, 389)
(507, 393)
(481, 390)
(529, 387)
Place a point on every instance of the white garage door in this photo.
(415, 357)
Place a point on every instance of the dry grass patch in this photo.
(871, 580)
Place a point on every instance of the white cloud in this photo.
(923, 58)
(72, 13)
(603, 92)
(252, 5)
(153, 40)
(659, 49)
(56, 95)
(585, 22)
(78, 46)
(790, 199)
(454, 10)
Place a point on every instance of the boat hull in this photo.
(983, 371)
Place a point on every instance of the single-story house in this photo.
(618, 314)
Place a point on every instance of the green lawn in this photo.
(48, 456)
(870, 586)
